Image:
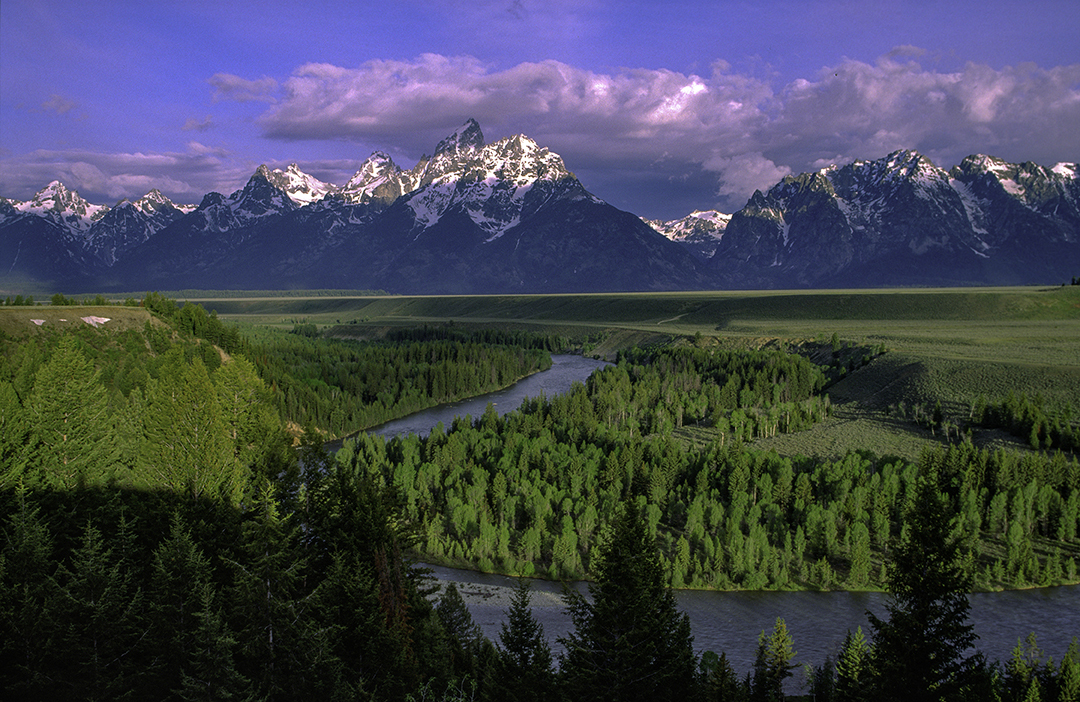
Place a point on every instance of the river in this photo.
(731, 621)
(565, 370)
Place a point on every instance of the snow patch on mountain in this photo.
(64, 207)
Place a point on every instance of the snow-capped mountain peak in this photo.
(154, 202)
(467, 138)
(379, 180)
(302, 188)
(700, 231)
(496, 185)
(63, 206)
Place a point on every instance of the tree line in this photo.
(526, 493)
(303, 592)
(161, 538)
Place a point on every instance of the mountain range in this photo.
(509, 217)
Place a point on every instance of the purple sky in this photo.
(658, 107)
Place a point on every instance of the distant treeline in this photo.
(1030, 419)
(341, 386)
(525, 493)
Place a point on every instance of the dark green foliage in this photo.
(523, 671)
(920, 652)
(718, 680)
(342, 386)
(629, 642)
(29, 633)
(1031, 419)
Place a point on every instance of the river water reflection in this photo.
(731, 621)
(564, 372)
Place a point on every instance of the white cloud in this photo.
(724, 132)
(739, 126)
(104, 178)
(745, 173)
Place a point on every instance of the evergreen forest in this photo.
(172, 527)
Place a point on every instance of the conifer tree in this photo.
(920, 650)
(267, 605)
(630, 642)
(28, 593)
(772, 664)
(524, 670)
(185, 444)
(13, 433)
(70, 440)
(101, 616)
(463, 634)
(1068, 682)
(851, 668)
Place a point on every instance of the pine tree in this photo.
(191, 648)
(919, 652)
(851, 668)
(463, 635)
(772, 664)
(185, 446)
(267, 607)
(28, 593)
(70, 441)
(13, 434)
(210, 673)
(630, 642)
(101, 617)
(1068, 681)
(524, 669)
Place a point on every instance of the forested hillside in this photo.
(525, 493)
(167, 533)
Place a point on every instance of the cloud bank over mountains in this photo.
(720, 132)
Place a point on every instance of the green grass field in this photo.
(948, 345)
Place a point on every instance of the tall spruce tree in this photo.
(29, 632)
(920, 651)
(630, 642)
(70, 441)
(851, 668)
(772, 664)
(524, 670)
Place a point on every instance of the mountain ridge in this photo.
(510, 217)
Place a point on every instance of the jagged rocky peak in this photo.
(302, 188)
(379, 180)
(55, 201)
(467, 138)
(520, 159)
(700, 231)
(154, 202)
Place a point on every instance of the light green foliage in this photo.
(185, 444)
(772, 664)
(69, 443)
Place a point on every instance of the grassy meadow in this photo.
(948, 345)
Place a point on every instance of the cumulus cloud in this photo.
(746, 131)
(744, 174)
(104, 178)
(717, 133)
